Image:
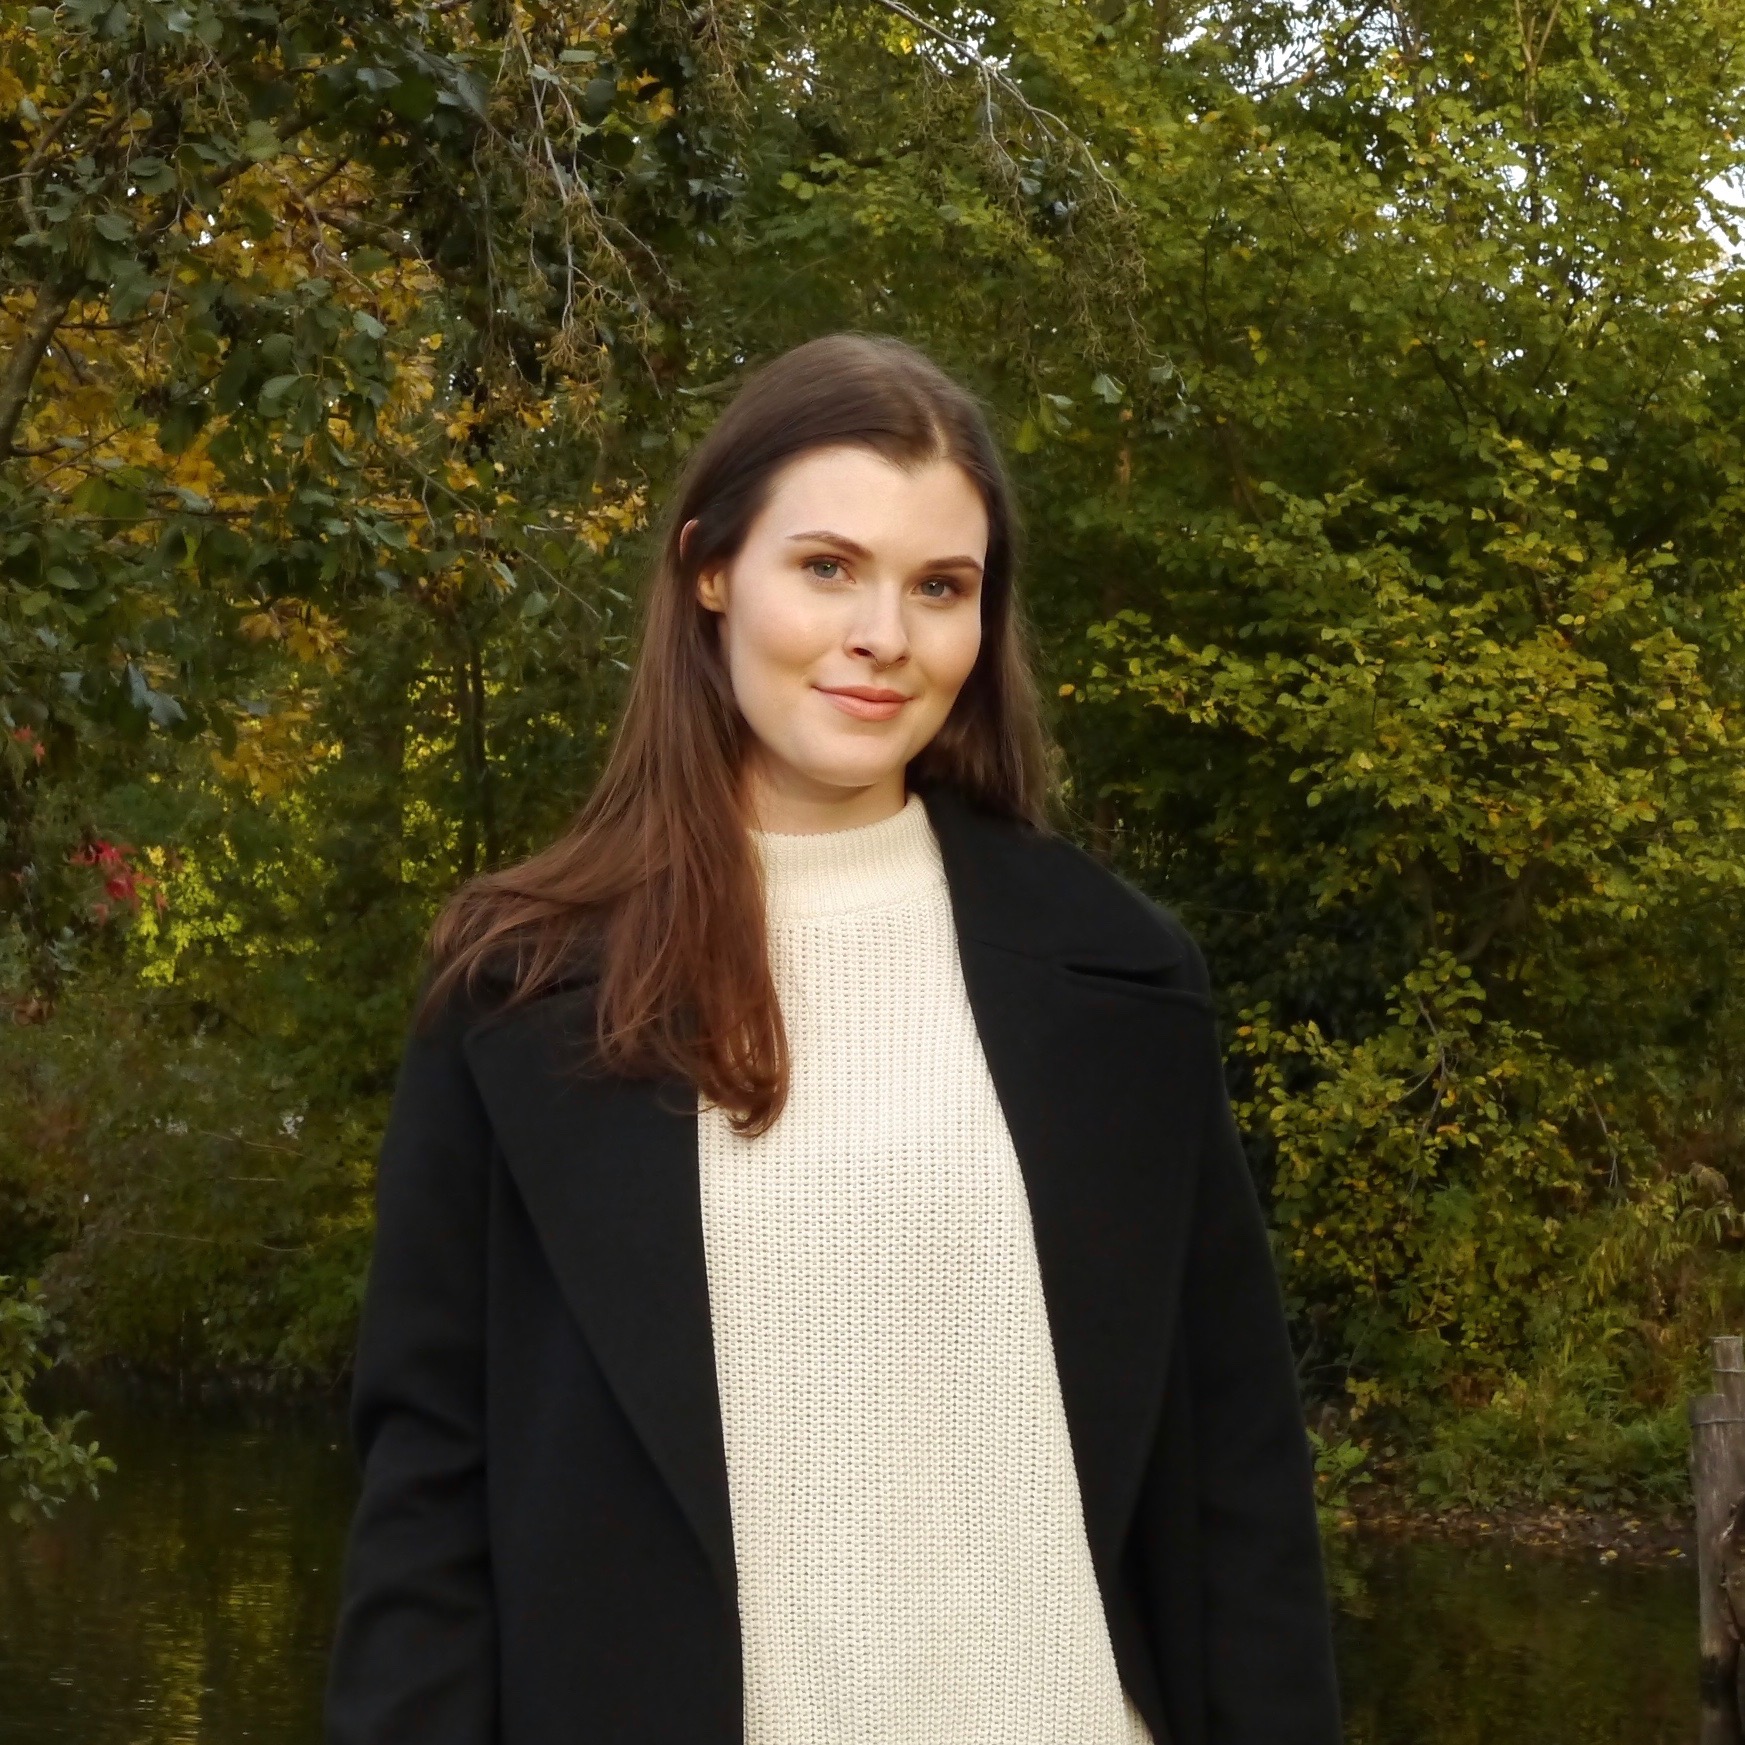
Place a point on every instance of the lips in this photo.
(864, 702)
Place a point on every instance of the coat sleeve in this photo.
(414, 1659)
(1268, 1673)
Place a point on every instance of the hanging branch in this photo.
(994, 77)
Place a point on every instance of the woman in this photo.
(818, 1296)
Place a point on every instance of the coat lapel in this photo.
(608, 1170)
(1104, 1063)
(1100, 1059)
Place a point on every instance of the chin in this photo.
(852, 773)
(853, 781)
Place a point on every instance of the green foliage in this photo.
(41, 1463)
(1562, 1434)
(1371, 389)
(1339, 1470)
(1423, 1177)
(177, 1190)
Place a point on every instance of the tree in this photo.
(1368, 377)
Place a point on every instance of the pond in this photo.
(191, 1605)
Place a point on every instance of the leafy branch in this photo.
(41, 1462)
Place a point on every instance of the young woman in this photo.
(819, 1297)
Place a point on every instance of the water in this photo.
(192, 1603)
(1444, 1644)
(192, 1606)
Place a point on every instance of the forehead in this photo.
(859, 494)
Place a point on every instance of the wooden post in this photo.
(1717, 1469)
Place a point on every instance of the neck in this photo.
(789, 804)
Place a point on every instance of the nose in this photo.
(878, 632)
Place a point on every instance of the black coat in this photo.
(543, 1551)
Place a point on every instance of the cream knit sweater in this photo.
(910, 1543)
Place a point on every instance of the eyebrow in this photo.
(823, 536)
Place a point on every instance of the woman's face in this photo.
(850, 618)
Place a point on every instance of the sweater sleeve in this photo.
(414, 1659)
(1269, 1674)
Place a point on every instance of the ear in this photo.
(712, 590)
(710, 593)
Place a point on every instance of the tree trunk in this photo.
(54, 297)
(485, 785)
(467, 854)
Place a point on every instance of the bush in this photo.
(41, 1463)
(186, 1208)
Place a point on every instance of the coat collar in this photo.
(1102, 1055)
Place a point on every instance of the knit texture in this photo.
(913, 1568)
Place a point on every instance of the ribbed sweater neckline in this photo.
(836, 872)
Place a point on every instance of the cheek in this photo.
(951, 649)
(776, 628)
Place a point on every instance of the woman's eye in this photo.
(939, 588)
(826, 569)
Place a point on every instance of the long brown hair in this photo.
(657, 877)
